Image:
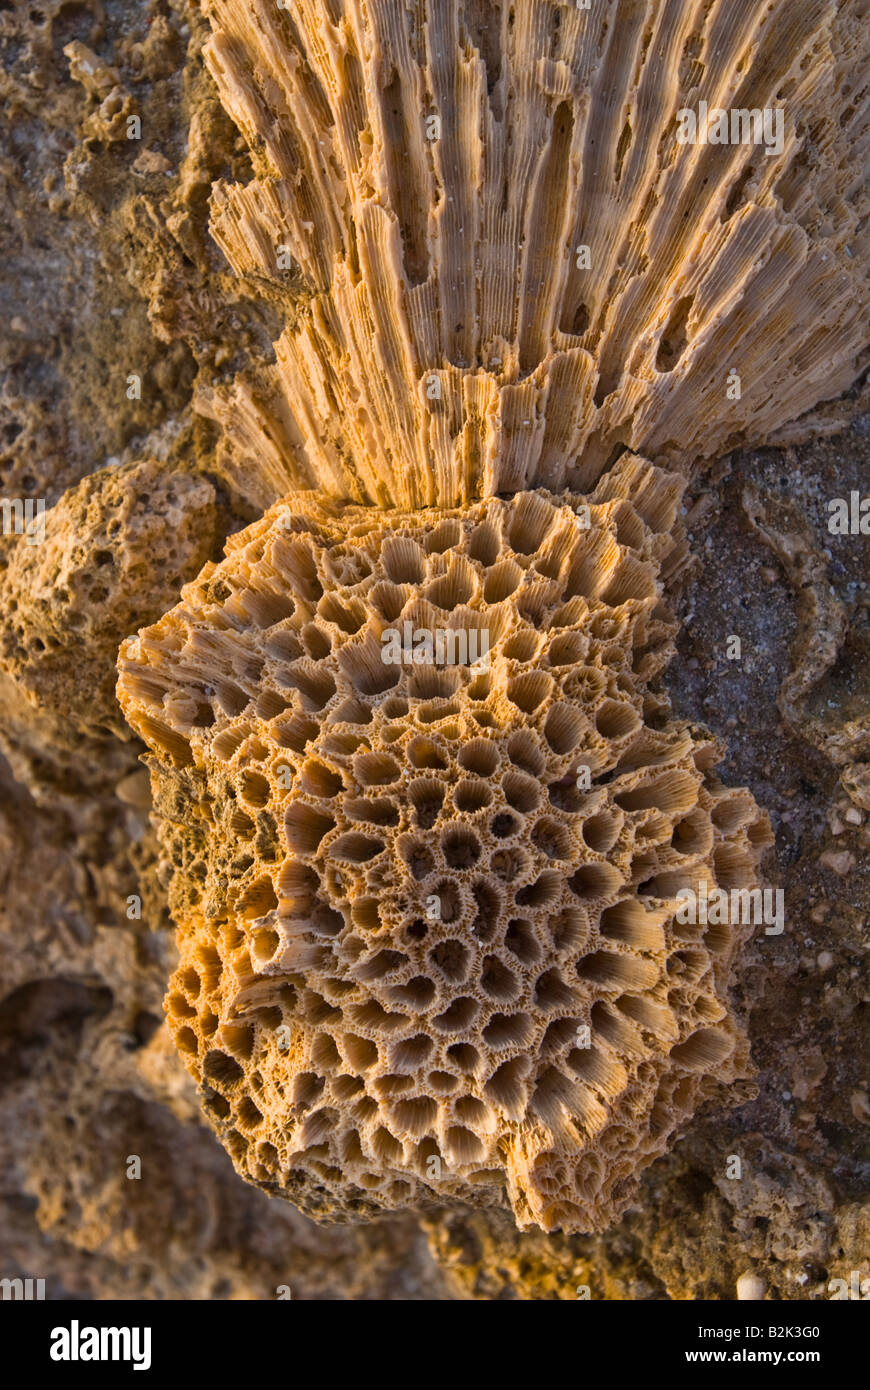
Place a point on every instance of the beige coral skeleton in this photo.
(426, 911)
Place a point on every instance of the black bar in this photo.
(260, 1338)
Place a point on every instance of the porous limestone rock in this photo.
(90, 242)
(117, 547)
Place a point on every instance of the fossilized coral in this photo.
(435, 169)
(406, 889)
(438, 175)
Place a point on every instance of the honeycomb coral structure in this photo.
(405, 889)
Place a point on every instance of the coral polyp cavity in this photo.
(429, 946)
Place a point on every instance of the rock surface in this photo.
(108, 271)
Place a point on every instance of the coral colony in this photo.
(435, 908)
(432, 909)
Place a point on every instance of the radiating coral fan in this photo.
(515, 267)
(406, 888)
(427, 909)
